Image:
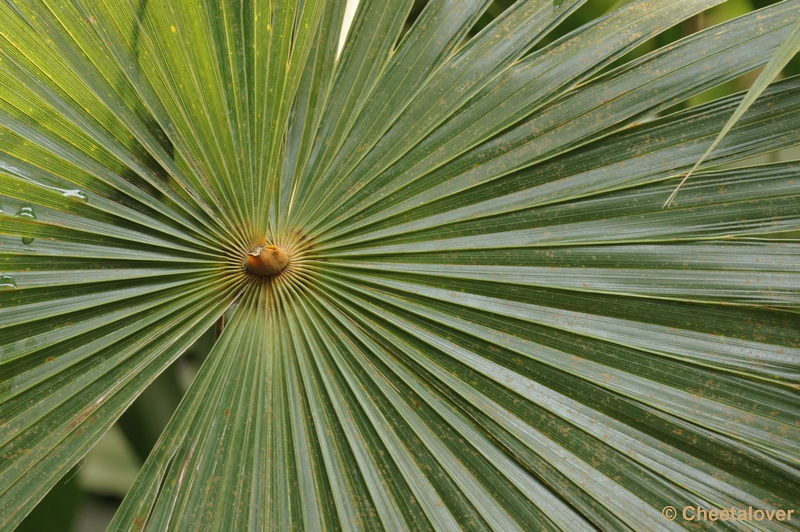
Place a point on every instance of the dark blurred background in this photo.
(86, 499)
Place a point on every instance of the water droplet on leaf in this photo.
(26, 211)
(75, 194)
(7, 282)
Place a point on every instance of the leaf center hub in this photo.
(267, 260)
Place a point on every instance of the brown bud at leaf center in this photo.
(266, 260)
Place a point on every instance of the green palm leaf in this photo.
(487, 320)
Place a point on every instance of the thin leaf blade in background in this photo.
(785, 52)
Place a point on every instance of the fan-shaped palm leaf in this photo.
(487, 319)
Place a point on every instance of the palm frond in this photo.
(487, 320)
